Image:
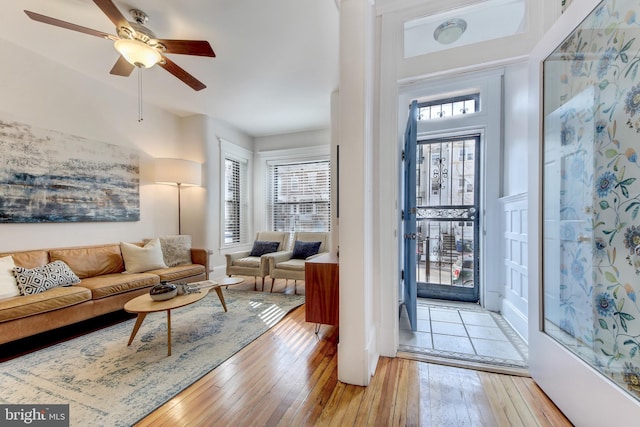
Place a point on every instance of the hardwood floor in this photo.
(288, 377)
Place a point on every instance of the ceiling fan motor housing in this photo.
(138, 31)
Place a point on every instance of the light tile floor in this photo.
(462, 331)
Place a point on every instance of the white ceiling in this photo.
(276, 64)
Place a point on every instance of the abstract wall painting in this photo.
(49, 176)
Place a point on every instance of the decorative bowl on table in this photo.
(163, 291)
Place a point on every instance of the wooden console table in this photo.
(321, 282)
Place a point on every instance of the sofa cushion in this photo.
(303, 250)
(91, 260)
(52, 299)
(111, 284)
(291, 264)
(261, 247)
(140, 259)
(29, 259)
(179, 272)
(8, 284)
(250, 261)
(39, 279)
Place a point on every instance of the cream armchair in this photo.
(254, 262)
(290, 264)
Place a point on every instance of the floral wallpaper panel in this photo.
(592, 122)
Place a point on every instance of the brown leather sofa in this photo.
(103, 288)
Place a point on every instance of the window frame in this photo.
(449, 102)
(301, 204)
(233, 152)
(264, 159)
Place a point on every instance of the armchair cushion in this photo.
(303, 250)
(250, 261)
(261, 247)
(292, 264)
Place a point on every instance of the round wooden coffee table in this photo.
(143, 305)
(228, 281)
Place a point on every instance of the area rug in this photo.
(107, 383)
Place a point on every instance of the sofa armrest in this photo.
(236, 255)
(275, 257)
(201, 256)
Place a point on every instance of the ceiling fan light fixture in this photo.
(450, 30)
(138, 53)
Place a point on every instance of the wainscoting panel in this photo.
(514, 250)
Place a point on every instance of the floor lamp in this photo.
(178, 172)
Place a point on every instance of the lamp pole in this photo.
(179, 214)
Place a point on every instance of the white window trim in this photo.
(278, 157)
(229, 150)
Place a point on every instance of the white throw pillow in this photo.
(8, 284)
(139, 259)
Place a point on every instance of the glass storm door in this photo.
(446, 198)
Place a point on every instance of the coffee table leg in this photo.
(219, 292)
(169, 331)
(139, 320)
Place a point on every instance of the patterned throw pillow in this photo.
(35, 280)
(176, 250)
(261, 247)
(303, 250)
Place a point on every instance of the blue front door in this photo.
(409, 217)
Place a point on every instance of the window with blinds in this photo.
(234, 201)
(300, 195)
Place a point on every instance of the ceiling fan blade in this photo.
(69, 26)
(112, 12)
(122, 67)
(180, 73)
(188, 47)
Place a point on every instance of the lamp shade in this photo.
(178, 171)
(137, 53)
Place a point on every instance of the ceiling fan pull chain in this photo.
(140, 94)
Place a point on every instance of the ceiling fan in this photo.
(137, 45)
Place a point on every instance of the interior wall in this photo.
(515, 159)
(293, 140)
(47, 95)
(201, 140)
(514, 214)
(358, 348)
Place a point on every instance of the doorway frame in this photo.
(488, 123)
